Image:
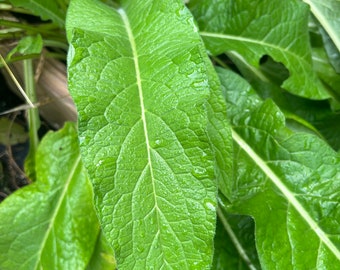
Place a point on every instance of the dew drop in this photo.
(209, 205)
(81, 139)
(99, 163)
(140, 249)
(158, 142)
(199, 172)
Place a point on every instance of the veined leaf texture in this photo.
(143, 129)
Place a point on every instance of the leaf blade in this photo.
(246, 28)
(286, 181)
(47, 10)
(327, 13)
(27, 241)
(152, 169)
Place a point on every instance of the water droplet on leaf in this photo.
(209, 205)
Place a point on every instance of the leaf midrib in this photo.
(127, 26)
(57, 208)
(286, 192)
(254, 41)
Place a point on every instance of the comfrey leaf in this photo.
(51, 224)
(138, 77)
(251, 29)
(288, 182)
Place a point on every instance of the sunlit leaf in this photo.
(143, 129)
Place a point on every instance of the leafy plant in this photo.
(202, 133)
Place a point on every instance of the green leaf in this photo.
(299, 112)
(245, 27)
(51, 224)
(143, 129)
(235, 243)
(46, 9)
(326, 71)
(27, 45)
(219, 133)
(328, 15)
(102, 257)
(288, 182)
(11, 132)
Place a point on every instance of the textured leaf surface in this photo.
(50, 224)
(252, 29)
(142, 123)
(289, 181)
(46, 9)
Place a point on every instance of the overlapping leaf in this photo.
(143, 129)
(51, 224)
(235, 243)
(327, 13)
(256, 28)
(288, 182)
(46, 9)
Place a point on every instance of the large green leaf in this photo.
(138, 77)
(287, 181)
(46, 9)
(51, 224)
(256, 28)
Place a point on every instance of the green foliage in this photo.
(27, 45)
(51, 223)
(168, 140)
(46, 9)
(11, 133)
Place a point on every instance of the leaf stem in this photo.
(33, 115)
(234, 239)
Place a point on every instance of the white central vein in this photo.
(141, 99)
(249, 40)
(290, 196)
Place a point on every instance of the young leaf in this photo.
(245, 27)
(51, 224)
(138, 77)
(27, 45)
(288, 182)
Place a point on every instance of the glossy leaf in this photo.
(46, 9)
(288, 182)
(143, 129)
(247, 28)
(50, 224)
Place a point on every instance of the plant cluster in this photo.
(207, 137)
